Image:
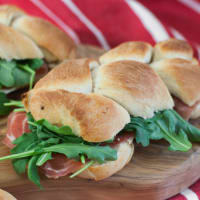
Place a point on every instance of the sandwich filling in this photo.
(167, 125)
(16, 74)
(183, 109)
(54, 151)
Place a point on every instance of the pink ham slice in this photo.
(16, 126)
(183, 109)
(60, 166)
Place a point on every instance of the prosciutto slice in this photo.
(183, 109)
(16, 126)
(60, 166)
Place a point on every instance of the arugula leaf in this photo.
(25, 142)
(97, 153)
(192, 132)
(44, 158)
(17, 73)
(20, 165)
(33, 171)
(100, 154)
(82, 169)
(35, 63)
(31, 73)
(6, 76)
(166, 125)
(21, 77)
(3, 109)
(65, 130)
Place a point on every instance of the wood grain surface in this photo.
(154, 173)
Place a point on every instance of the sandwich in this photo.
(53, 42)
(67, 129)
(21, 60)
(174, 62)
(81, 119)
(6, 196)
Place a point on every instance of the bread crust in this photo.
(8, 13)
(47, 36)
(6, 196)
(14, 45)
(71, 75)
(135, 86)
(196, 112)
(181, 77)
(93, 117)
(172, 48)
(89, 51)
(99, 172)
(138, 51)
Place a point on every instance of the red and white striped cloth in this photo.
(107, 23)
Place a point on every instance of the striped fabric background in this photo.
(107, 23)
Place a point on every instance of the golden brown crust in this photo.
(71, 75)
(89, 51)
(181, 78)
(135, 86)
(195, 112)
(95, 118)
(99, 172)
(8, 13)
(172, 48)
(6, 196)
(138, 51)
(47, 36)
(14, 45)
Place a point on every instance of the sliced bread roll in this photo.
(181, 77)
(8, 13)
(15, 45)
(71, 75)
(93, 117)
(172, 48)
(55, 44)
(100, 171)
(195, 112)
(135, 86)
(138, 51)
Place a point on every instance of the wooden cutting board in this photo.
(154, 173)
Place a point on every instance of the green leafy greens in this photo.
(167, 125)
(35, 148)
(3, 109)
(16, 73)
